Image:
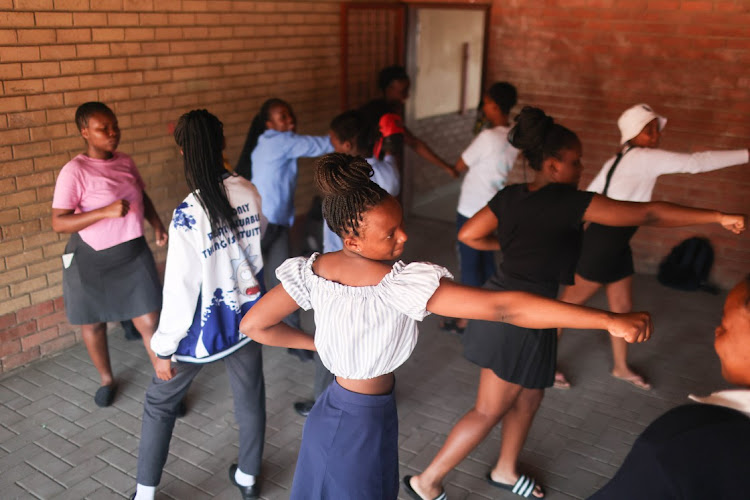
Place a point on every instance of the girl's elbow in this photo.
(464, 236)
(58, 227)
(246, 327)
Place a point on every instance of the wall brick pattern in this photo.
(150, 61)
(586, 61)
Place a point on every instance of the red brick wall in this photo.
(585, 61)
(150, 61)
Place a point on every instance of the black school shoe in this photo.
(247, 492)
(303, 407)
(131, 332)
(105, 395)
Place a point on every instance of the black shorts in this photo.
(605, 254)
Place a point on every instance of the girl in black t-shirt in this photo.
(538, 226)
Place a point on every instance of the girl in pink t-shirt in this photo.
(109, 272)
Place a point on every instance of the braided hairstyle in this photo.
(85, 110)
(244, 165)
(344, 181)
(538, 136)
(200, 135)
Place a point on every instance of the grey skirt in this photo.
(522, 356)
(114, 284)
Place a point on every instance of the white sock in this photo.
(243, 479)
(144, 492)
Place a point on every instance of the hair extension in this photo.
(539, 137)
(244, 165)
(85, 110)
(344, 181)
(200, 135)
(504, 95)
(391, 74)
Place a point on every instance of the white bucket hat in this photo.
(632, 121)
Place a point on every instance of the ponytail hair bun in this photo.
(538, 136)
(348, 191)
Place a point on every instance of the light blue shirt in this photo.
(275, 170)
(386, 175)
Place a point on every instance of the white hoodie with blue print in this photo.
(211, 281)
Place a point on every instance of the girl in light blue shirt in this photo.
(269, 160)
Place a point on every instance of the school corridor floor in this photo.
(55, 443)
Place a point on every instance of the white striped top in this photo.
(367, 331)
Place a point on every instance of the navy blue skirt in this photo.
(349, 448)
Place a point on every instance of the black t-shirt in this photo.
(540, 231)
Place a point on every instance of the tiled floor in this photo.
(55, 443)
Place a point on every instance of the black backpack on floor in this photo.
(687, 266)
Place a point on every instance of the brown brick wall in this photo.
(586, 61)
(150, 61)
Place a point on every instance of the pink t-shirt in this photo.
(85, 184)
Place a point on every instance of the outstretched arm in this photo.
(479, 231)
(428, 154)
(609, 212)
(532, 311)
(263, 323)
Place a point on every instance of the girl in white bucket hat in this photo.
(606, 259)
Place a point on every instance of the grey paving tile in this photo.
(115, 480)
(55, 444)
(40, 485)
(15, 492)
(81, 489)
(122, 461)
(48, 464)
(104, 493)
(123, 440)
(82, 471)
(84, 452)
(14, 473)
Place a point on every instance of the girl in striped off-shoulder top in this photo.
(365, 314)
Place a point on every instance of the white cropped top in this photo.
(368, 331)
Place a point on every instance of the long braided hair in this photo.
(344, 181)
(244, 165)
(538, 136)
(200, 135)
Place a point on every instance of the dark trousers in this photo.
(477, 266)
(245, 371)
(275, 249)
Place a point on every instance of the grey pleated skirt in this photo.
(523, 356)
(114, 284)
